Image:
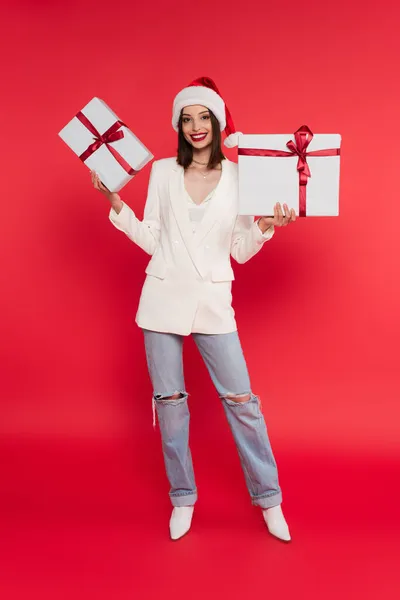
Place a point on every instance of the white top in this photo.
(197, 211)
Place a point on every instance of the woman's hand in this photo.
(279, 219)
(112, 197)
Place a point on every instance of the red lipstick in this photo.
(198, 137)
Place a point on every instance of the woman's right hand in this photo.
(112, 197)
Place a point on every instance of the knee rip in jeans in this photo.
(168, 399)
(245, 398)
(175, 398)
(239, 397)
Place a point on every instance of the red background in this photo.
(84, 495)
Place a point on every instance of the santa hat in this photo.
(204, 91)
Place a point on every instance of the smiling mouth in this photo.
(198, 137)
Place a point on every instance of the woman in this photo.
(190, 228)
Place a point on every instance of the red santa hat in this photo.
(203, 91)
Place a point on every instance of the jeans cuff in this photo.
(183, 499)
(267, 501)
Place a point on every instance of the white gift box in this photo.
(129, 150)
(266, 180)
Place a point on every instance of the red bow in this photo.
(112, 134)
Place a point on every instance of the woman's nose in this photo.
(196, 125)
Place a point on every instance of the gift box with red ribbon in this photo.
(300, 169)
(105, 144)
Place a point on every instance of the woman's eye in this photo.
(185, 119)
(206, 117)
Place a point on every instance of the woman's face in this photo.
(197, 126)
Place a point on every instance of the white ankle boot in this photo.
(180, 521)
(276, 522)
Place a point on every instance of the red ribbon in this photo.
(112, 134)
(303, 137)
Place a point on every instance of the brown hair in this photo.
(185, 150)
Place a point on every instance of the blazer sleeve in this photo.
(247, 238)
(146, 233)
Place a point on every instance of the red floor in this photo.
(90, 520)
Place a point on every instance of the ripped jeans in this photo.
(223, 356)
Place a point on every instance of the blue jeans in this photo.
(223, 356)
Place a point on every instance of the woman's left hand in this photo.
(280, 219)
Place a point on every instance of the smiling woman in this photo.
(191, 227)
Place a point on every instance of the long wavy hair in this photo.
(185, 150)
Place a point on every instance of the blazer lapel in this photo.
(180, 210)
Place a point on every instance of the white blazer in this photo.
(189, 277)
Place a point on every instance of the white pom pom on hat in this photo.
(233, 139)
(203, 91)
